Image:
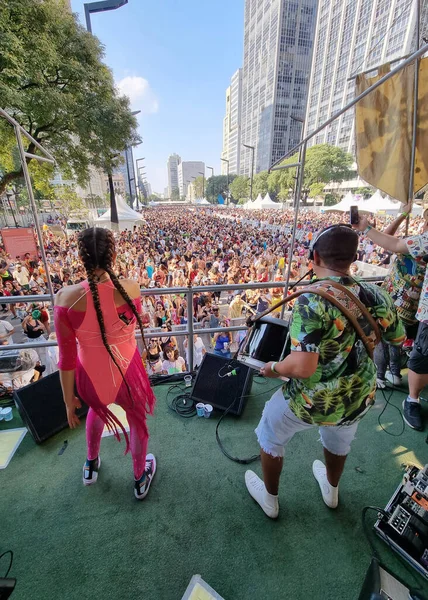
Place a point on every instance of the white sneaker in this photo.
(267, 502)
(330, 494)
(394, 379)
(380, 383)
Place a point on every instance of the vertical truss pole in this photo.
(33, 207)
(298, 195)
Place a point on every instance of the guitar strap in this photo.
(324, 290)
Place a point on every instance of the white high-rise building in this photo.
(172, 165)
(232, 125)
(187, 171)
(352, 36)
(278, 42)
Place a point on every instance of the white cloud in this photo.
(139, 93)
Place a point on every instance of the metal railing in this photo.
(187, 291)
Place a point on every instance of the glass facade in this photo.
(353, 36)
(278, 37)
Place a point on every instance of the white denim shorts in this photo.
(279, 424)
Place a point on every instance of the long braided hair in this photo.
(96, 249)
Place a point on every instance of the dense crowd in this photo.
(178, 247)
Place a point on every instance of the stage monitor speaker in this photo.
(42, 408)
(221, 392)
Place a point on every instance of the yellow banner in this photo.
(384, 127)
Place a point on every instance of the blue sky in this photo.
(174, 59)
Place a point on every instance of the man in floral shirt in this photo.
(417, 247)
(331, 377)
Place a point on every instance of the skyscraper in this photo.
(353, 36)
(278, 41)
(187, 171)
(232, 125)
(172, 165)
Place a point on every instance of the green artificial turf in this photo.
(73, 542)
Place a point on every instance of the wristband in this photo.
(367, 229)
(404, 214)
(272, 368)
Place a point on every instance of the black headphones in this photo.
(315, 239)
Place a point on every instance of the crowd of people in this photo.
(178, 247)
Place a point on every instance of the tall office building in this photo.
(172, 166)
(353, 36)
(278, 41)
(232, 125)
(187, 171)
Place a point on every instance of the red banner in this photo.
(18, 241)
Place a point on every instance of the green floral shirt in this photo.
(344, 385)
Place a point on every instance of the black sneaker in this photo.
(90, 471)
(412, 415)
(142, 486)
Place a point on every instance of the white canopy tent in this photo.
(127, 216)
(269, 203)
(344, 205)
(201, 201)
(263, 203)
(379, 204)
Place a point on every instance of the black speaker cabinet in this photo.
(42, 408)
(221, 392)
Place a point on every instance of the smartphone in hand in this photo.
(355, 217)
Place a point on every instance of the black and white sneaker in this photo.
(90, 471)
(412, 415)
(142, 486)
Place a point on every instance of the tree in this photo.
(175, 194)
(324, 163)
(366, 192)
(217, 185)
(54, 83)
(67, 201)
(260, 184)
(198, 186)
(240, 188)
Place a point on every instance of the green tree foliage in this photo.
(260, 184)
(198, 186)
(67, 202)
(324, 163)
(175, 194)
(240, 188)
(217, 185)
(54, 83)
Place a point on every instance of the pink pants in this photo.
(138, 443)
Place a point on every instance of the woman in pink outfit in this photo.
(105, 366)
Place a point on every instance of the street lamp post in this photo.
(203, 183)
(252, 148)
(94, 7)
(9, 196)
(227, 173)
(138, 175)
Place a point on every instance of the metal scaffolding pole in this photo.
(27, 178)
(23, 156)
(415, 112)
(298, 194)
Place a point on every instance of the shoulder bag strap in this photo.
(357, 301)
(369, 346)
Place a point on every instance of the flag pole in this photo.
(415, 112)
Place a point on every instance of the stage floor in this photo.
(73, 542)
